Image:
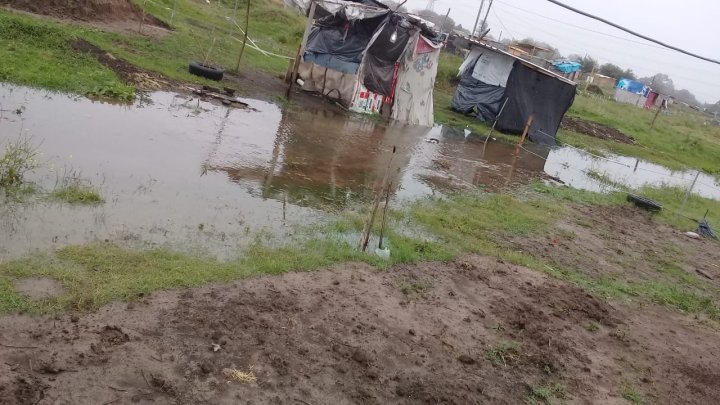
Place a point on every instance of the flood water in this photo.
(189, 175)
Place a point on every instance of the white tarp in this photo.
(492, 68)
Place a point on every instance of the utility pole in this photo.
(486, 15)
(477, 19)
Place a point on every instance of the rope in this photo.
(253, 45)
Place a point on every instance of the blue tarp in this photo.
(632, 86)
(566, 66)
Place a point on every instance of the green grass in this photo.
(546, 394)
(680, 140)
(502, 353)
(634, 396)
(78, 193)
(415, 287)
(19, 157)
(36, 52)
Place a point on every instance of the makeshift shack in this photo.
(632, 92)
(490, 76)
(372, 60)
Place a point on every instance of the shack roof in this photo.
(523, 61)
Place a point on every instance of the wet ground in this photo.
(190, 175)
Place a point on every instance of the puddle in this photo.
(193, 176)
(39, 288)
(573, 167)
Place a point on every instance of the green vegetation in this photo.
(38, 53)
(19, 157)
(78, 193)
(502, 353)
(632, 395)
(679, 140)
(592, 327)
(545, 394)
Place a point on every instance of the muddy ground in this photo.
(86, 10)
(477, 330)
(595, 129)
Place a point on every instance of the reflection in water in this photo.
(187, 174)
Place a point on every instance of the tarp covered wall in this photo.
(477, 98)
(387, 47)
(415, 83)
(336, 43)
(530, 92)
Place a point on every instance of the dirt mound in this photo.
(474, 331)
(84, 10)
(594, 129)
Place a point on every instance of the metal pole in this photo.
(477, 19)
(442, 27)
(687, 195)
(486, 15)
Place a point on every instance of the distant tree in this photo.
(587, 63)
(686, 96)
(629, 74)
(661, 83)
(611, 70)
(437, 19)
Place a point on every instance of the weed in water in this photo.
(19, 158)
(503, 353)
(73, 189)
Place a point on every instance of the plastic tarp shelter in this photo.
(489, 76)
(533, 93)
(372, 60)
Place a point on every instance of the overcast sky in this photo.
(689, 24)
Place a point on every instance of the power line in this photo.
(581, 27)
(594, 17)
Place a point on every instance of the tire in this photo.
(643, 202)
(206, 71)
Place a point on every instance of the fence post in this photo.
(687, 195)
(301, 49)
(245, 37)
(526, 130)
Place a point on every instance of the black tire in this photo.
(643, 202)
(206, 71)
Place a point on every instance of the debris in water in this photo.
(432, 140)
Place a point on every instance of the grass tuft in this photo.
(19, 157)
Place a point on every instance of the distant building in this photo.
(601, 80)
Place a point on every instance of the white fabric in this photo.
(493, 68)
(414, 92)
(337, 84)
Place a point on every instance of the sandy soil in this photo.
(351, 334)
(595, 129)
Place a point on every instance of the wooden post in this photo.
(687, 195)
(301, 49)
(294, 73)
(245, 37)
(526, 130)
(308, 25)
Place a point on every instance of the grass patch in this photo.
(634, 396)
(545, 394)
(503, 353)
(679, 140)
(78, 193)
(37, 52)
(19, 157)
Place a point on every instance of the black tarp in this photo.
(477, 98)
(343, 39)
(530, 92)
(379, 67)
